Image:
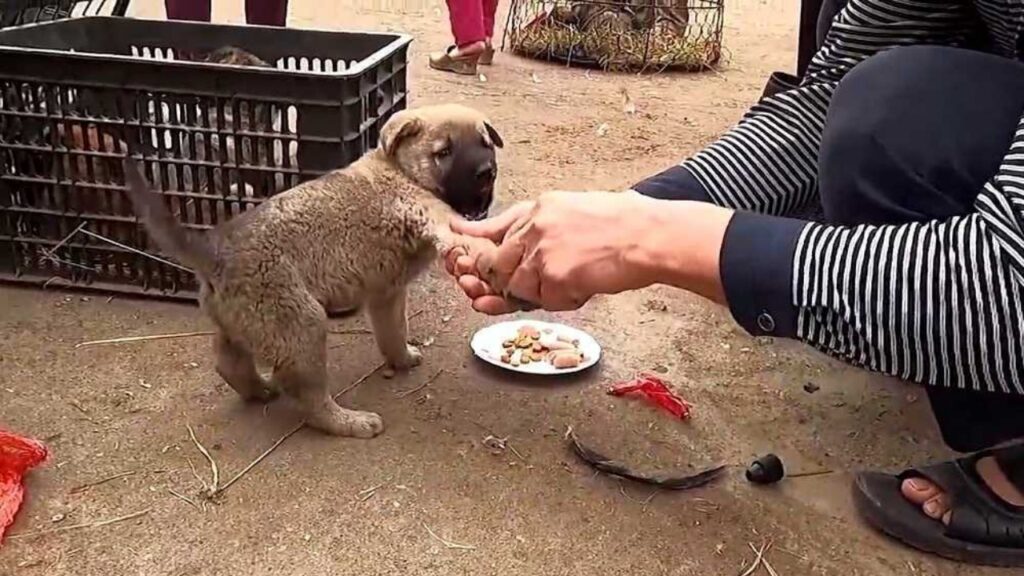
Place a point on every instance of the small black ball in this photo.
(767, 469)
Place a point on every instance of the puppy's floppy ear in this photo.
(400, 126)
(493, 135)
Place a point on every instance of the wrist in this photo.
(680, 245)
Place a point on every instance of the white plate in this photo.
(487, 345)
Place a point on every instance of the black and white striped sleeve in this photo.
(938, 303)
(768, 162)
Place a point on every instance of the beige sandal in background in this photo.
(447, 62)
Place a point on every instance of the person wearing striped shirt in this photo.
(907, 133)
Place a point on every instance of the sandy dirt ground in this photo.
(320, 505)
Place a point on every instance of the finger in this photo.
(493, 306)
(497, 266)
(517, 227)
(466, 264)
(452, 258)
(474, 287)
(525, 282)
(492, 228)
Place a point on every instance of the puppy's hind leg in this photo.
(301, 372)
(308, 386)
(236, 366)
(391, 329)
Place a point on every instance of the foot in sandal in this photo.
(487, 56)
(459, 60)
(970, 509)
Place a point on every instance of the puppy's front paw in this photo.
(407, 361)
(338, 421)
(365, 424)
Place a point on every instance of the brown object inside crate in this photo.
(72, 176)
(215, 140)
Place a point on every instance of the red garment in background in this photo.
(472, 20)
(17, 456)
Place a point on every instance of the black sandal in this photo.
(983, 529)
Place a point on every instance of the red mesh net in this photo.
(17, 456)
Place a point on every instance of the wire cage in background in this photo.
(21, 12)
(620, 35)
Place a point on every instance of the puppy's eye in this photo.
(443, 152)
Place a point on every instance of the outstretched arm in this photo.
(937, 302)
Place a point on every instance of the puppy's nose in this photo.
(486, 173)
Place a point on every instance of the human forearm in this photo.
(737, 259)
(570, 246)
(681, 246)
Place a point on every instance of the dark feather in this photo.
(604, 464)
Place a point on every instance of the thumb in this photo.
(497, 266)
(493, 228)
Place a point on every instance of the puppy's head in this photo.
(449, 150)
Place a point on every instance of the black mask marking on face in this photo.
(468, 171)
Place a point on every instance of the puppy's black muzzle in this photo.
(469, 185)
(486, 174)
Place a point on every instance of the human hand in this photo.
(494, 229)
(462, 263)
(559, 251)
(566, 247)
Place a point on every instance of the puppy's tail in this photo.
(169, 235)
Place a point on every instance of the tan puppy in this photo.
(354, 238)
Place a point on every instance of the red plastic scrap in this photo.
(655, 390)
(17, 456)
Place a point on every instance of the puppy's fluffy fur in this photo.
(354, 238)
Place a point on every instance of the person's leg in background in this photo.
(467, 22)
(266, 12)
(490, 11)
(257, 12)
(190, 10)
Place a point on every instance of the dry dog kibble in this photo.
(530, 345)
(530, 332)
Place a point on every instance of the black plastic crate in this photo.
(20, 12)
(216, 139)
